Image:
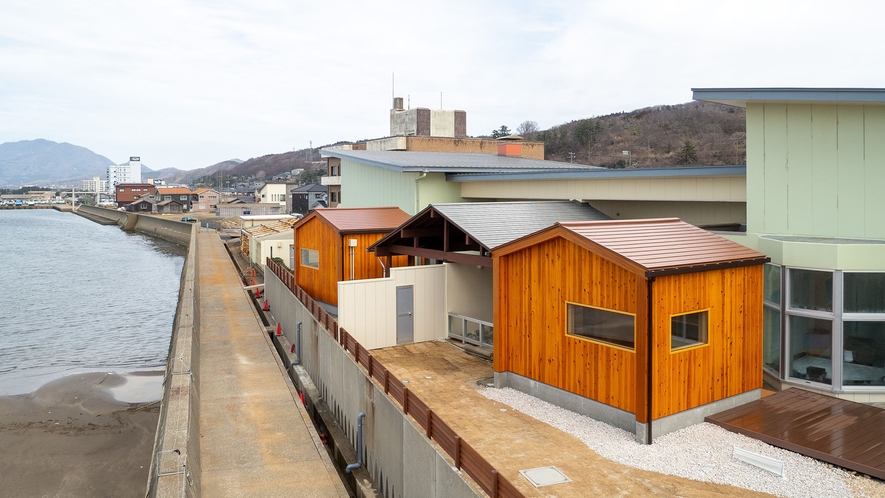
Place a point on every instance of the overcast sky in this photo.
(187, 84)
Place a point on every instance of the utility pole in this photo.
(571, 157)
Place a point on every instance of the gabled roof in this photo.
(281, 226)
(492, 224)
(173, 190)
(358, 220)
(310, 187)
(201, 190)
(170, 201)
(451, 162)
(650, 247)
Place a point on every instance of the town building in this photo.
(129, 172)
(204, 200)
(181, 195)
(96, 184)
(125, 193)
(306, 197)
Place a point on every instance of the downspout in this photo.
(383, 268)
(359, 444)
(297, 344)
(418, 191)
(648, 351)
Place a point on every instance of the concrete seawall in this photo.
(164, 228)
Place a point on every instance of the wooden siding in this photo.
(322, 283)
(534, 283)
(530, 320)
(731, 362)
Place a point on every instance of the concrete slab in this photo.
(254, 440)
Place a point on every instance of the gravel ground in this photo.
(702, 452)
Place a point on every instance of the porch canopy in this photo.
(468, 232)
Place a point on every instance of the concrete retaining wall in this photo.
(397, 454)
(164, 228)
(175, 467)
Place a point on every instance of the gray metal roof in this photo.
(451, 162)
(495, 223)
(667, 172)
(310, 187)
(739, 97)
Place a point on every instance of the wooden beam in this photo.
(454, 257)
(408, 233)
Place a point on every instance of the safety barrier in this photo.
(464, 456)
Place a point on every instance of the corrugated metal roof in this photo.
(739, 97)
(311, 187)
(496, 223)
(450, 162)
(173, 190)
(661, 246)
(378, 219)
(592, 174)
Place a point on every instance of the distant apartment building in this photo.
(124, 173)
(95, 185)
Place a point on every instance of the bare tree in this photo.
(527, 128)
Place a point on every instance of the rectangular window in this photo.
(310, 258)
(811, 349)
(864, 292)
(772, 285)
(334, 197)
(182, 197)
(811, 290)
(688, 330)
(771, 338)
(864, 353)
(611, 327)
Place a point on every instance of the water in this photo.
(78, 296)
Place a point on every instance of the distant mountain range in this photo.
(44, 162)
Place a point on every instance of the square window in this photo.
(607, 326)
(811, 290)
(310, 258)
(864, 292)
(688, 330)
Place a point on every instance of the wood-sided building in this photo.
(330, 246)
(649, 325)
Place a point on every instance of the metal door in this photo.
(405, 324)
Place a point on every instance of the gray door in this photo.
(405, 324)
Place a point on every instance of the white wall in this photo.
(470, 291)
(367, 308)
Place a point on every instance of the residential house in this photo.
(204, 200)
(648, 325)
(240, 208)
(128, 192)
(276, 240)
(274, 192)
(815, 177)
(146, 204)
(170, 206)
(306, 197)
(330, 246)
(182, 195)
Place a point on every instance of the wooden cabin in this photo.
(655, 320)
(330, 246)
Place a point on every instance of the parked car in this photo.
(188, 219)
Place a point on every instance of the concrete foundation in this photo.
(616, 417)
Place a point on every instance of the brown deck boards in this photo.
(844, 433)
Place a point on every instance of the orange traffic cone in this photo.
(279, 329)
(266, 307)
(258, 292)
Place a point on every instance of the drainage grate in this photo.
(544, 476)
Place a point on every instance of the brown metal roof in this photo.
(356, 220)
(838, 431)
(650, 246)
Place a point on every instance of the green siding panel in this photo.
(367, 186)
(824, 170)
(874, 172)
(800, 205)
(755, 168)
(851, 171)
(775, 169)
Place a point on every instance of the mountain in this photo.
(44, 162)
(650, 137)
(193, 176)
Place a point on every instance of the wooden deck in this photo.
(844, 433)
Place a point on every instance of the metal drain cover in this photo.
(544, 476)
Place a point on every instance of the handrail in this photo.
(463, 455)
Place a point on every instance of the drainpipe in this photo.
(359, 444)
(297, 343)
(648, 350)
(418, 192)
(383, 268)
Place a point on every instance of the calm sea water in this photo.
(79, 296)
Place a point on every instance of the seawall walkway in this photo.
(255, 437)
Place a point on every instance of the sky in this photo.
(188, 84)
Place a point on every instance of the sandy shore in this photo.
(74, 437)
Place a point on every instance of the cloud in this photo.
(190, 83)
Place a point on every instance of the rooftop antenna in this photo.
(392, 87)
(440, 100)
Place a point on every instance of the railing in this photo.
(464, 456)
(471, 330)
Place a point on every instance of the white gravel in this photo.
(702, 452)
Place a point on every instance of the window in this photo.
(864, 292)
(607, 326)
(310, 258)
(334, 196)
(182, 197)
(688, 330)
(811, 290)
(771, 319)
